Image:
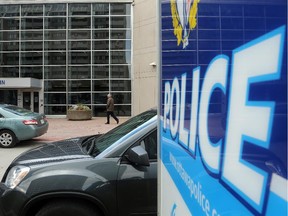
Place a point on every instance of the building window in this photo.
(81, 50)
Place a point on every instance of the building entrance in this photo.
(30, 101)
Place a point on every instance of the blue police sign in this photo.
(223, 107)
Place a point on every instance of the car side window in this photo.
(149, 143)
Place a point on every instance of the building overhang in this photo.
(20, 83)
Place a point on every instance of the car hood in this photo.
(59, 151)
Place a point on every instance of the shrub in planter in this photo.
(79, 112)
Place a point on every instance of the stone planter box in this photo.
(78, 115)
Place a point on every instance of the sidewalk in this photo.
(62, 128)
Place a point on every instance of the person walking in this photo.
(110, 109)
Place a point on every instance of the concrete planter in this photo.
(79, 115)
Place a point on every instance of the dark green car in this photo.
(111, 174)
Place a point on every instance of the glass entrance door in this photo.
(36, 102)
(31, 101)
(27, 100)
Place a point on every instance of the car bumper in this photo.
(10, 201)
(32, 131)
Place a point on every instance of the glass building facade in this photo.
(81, 52)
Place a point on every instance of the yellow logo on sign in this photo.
(184, 18)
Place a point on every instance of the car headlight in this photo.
(16, 175)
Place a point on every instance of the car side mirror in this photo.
(138, 156)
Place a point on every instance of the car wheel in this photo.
(7, 139)
(63, 208)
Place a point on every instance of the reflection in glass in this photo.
(9, 46)
(101, 57)
(100, 98)
(101, 45)
(76, 98)
(121, 71)
(55, 98)
(122, 98)
(31, 45)
(55, 9)
(121, 85)
(55, 58)
(55, 110)
(55, 35)
(79, 34)
(101, 34)
(55, 45)
(121, 34)
(31, 58)
(100, 22)
(100, 9)
(79, 22)
(100, 72)
(9, 35)
(8, 96)
(55, 23)
(9, 10)
(100, 85)
(32, 23)
(9, 71)
(120, 22)
(55, 86)
(123, 110)
(10, 58)
(79, 57)
(120, 9)
(55, 72)
(79, 85)
(31, 71)
(32, 35)
(79, 72)
(121, 57)
(79, 45)
(32, 10)
(9, 24)
(79, 9)
(121, 44)
(99, 110)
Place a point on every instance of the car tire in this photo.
(69, 208)
(7, 139)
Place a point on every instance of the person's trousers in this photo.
(111, 113)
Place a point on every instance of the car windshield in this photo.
(101, 143)
(18, 110)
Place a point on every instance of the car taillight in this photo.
(30, 122)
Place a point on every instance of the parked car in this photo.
(17, 124)
(113, 174)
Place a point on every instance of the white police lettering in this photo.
(215, 77)
(257, 61)
(183, 133)
(194, 110)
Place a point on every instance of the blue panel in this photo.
(201, 73)
(232, 10)
(232, 23)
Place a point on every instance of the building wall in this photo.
(82, 52)
(144, 79)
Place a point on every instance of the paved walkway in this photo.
(61, 128)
